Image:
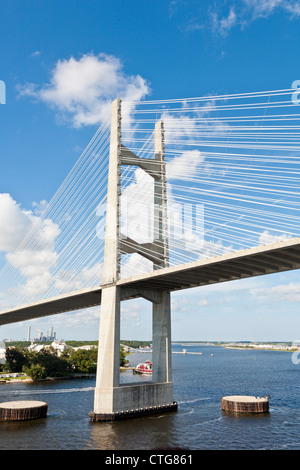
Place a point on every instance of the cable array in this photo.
(232, 168)
(62, 251)
(232, 164)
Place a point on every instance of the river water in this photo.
(199, 383)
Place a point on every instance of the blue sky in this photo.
(169, 49)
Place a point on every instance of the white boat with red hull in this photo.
(144, 368)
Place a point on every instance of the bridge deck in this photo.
(268, 259)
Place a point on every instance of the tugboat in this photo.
(144, 368)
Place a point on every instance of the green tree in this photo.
(47, 362)
(123, 360)
(50, 362)
(84, 361)
(35, 371)
(15, 360)
(55, 366)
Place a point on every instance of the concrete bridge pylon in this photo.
(112, 400)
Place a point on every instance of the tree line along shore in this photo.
(51, 363)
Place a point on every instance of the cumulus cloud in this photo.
(32, 260)
(267, 238)
(81, 90)
(184, 166)
(16, 223)
(281, 293)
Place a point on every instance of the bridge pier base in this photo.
(115, 401)
(134, 400)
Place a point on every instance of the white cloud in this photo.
(85, 319)
(32, 260)
(242, 13)
(281, 293)
(16, 223)
(222, 17)
(39, 207)
(134, 265)
(224, 24)
(32, 263)
(35, 54)
(137, 208)
(183, 126)
(267, 238)
(81, 90)
(190, 129)
(130, 313)
(68, 280)
(184, 166)
(264, 8)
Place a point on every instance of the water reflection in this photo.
(151, 432)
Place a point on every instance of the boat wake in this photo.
(48, 391)
(192, 401)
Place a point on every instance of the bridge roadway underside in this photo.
(268, 259)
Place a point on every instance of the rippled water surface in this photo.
(199, 383)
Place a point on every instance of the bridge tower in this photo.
(113, 400)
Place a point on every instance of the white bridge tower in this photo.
(114, 400)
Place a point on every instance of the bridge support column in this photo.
(108, 364)
(115, 401)
(161, 340)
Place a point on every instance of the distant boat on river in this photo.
(144, 368)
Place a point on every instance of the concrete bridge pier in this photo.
(115, 401)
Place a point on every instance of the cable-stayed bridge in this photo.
(277, 257)
(168, 195)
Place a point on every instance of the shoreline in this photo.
(46, 379)
(254, 348)
(27, 379)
